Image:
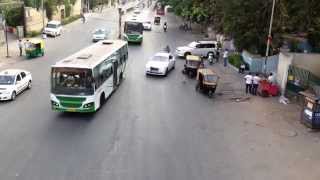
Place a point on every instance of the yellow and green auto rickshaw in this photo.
(34, 48)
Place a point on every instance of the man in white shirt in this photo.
(271, 78)
(255, 84)
(248, 79)
(225, 57)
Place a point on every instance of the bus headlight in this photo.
(88, 105)
(54, 103)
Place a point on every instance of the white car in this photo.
(147, 25)
(200, 48)
(53, 28)
(160, 64)
(13, 82)
(99, 34)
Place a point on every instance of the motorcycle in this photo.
(165, 27)
(210, 58)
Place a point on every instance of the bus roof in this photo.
(91, 56)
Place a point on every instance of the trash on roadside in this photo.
(284, 100)
(240, 99)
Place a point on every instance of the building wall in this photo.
(76, 9)
(310, 62)
(33, 19)
(256, 62)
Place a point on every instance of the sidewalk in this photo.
(13, 51)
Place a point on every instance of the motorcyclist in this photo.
(165, 27)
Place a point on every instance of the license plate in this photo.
(71, 109)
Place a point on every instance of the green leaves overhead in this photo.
(247, 21)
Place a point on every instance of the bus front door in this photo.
(115, 73)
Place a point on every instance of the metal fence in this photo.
(256, 63)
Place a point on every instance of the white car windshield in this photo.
(6, 80)
(160, 58)
(98, 32)
(51, 26)
(193, 44)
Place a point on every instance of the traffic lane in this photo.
(22, 119)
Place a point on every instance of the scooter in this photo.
(210, 58)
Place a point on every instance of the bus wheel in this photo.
(102, 99)
(121, 77)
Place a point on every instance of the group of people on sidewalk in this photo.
(22, 45)
(252, 82)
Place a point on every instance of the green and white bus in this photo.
(83, 81)
(133, 30)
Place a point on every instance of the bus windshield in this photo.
(72, 81)
(133, 28)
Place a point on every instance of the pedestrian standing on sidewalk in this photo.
(20, 45)
(225, 58)
(248, 79)
(255, 84)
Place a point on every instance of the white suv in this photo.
(200, 48)
(53, 28)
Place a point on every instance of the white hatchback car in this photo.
(200, 48)
(160, 64)
(53, 28)
(99, 34)
(13, 82)
(147, 25)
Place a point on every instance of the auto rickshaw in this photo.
(207, 81)
(34, 48)
(157, 20)
(191, 66)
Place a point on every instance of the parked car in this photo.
(147, 25)
(99, 34)
(160, 64)
(53, 28)
(199, 48)
(136, 11)
(13, 82)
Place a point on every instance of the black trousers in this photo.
(20, 51)
(248, 88)
(254, 89)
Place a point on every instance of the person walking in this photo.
(242, 68)
(248, 79)
(165, 27)
(225, 58)
(255, 84)
(20, 45)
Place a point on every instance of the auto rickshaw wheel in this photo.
(210, 93)
(190, 74)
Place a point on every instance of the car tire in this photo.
(29, 85)
(174, 66)
(166, 73)
(13, 95)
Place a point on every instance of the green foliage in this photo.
(14, 16)
(67, 7)
(70, 19)
(50, 7)
(236, 60)
(247, 21)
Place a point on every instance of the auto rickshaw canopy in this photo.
(193, 58)
(209, 76)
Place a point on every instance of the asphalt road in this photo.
(150, 129)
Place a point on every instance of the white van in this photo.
(53, 28)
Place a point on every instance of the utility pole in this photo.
(120, 16)
(42, 6)
(269, 37)
(6, 32)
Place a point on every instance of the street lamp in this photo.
(269, 37)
